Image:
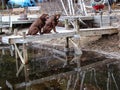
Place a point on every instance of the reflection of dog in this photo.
(51, 23)
(37, 25)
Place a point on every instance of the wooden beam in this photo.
(21, 57)
(66, 24)
(40, 37)
(98, 31)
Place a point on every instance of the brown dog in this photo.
(37, 25)
(51, 24)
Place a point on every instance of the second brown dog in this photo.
(51, 24)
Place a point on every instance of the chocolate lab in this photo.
(51, 24)
(37, 25)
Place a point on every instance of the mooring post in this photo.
(25, 56)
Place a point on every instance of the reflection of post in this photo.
(78, 54)
(77, 49)
(69, 82)
(25, 56)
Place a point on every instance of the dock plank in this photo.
(62, 34)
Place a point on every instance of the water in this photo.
(40, 68)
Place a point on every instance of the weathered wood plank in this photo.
(41, 37)
(98, 31)
(71, 33)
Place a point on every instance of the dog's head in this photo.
(44, 17)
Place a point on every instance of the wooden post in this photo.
(77, 48)
(66, 24)
(15, 32)
(76, 25)
(25, 56)
(16, 57)
(67, 50)
(0, 30)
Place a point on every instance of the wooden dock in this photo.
(62, 33)
(14, 19)
(69, 34)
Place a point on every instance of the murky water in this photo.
(93, 79)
